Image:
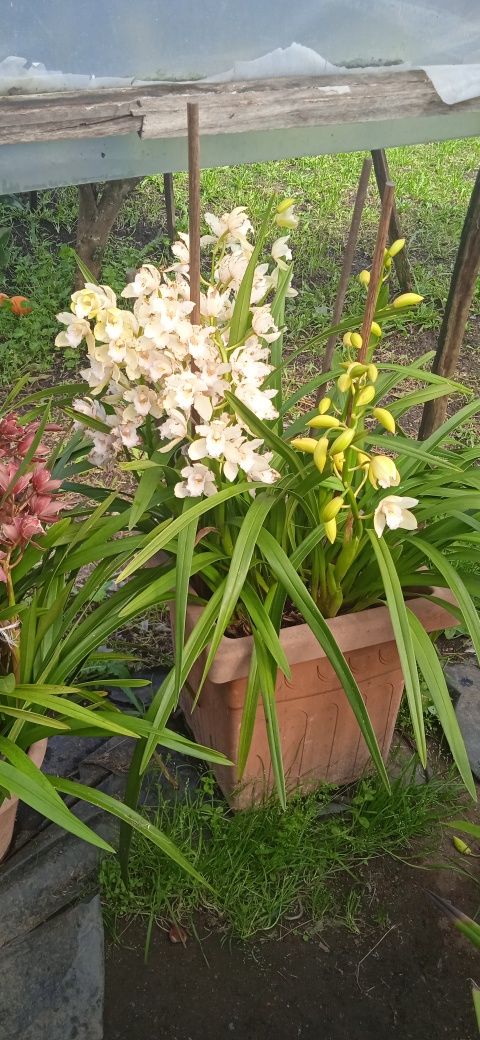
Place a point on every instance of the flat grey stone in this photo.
(461, 678)
(463, 682)
(111, 756)
(52, 980)
(49, 873)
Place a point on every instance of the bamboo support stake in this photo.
(169, 196)
(194, 206)
(346, 271)
(460, 295)
(377, 268)
(401, 262)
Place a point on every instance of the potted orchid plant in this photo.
(54, 561)
(314, 546)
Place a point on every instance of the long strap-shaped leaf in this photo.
(260, 429)
(403, 639)
(266, 680)
(160, 710)
(238, 571)
(432, 672)
(170, 529)
(23, 779)
(130, 818)
(288, 577)
(186, 547)
(241, 311)
(457, 585)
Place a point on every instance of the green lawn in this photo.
(433, 185)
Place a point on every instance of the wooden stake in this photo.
(169, 197)
(402, 266)
(347, 264)
(377, 268)
(462, 287)
(194, 206)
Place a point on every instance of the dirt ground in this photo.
(406, 974)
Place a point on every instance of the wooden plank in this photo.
(159, 111)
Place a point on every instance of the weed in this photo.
(270, 868)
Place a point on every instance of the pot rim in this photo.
(352, 631)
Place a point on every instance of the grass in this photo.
(433, 184)
(271, 869)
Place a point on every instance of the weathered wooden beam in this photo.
(402, 265)
(159, 110)
(462, 288)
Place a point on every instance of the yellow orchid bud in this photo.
(338, 461)
(461, 846)
(375, 328)
(324, 405)
(331, 509)
(407, 299)
(307, 444)
(356, 340)
(331, 530)
(356, 370)
(383, 472)
(365, 396)
(344, 383)
(323, 422)
(347, 339)
(372, 373)
(396, 247)
(364, 278)
(342, 442)
(388, 263)
(385, 418)
(320, 453)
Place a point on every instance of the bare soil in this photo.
(406, 974)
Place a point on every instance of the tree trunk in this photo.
(462, 287)
(99, 205)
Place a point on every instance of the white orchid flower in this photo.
(90, 301)
(393, 511)
(281, 252)
(144, 401)
(259, 401)
(77, 329)
(146, 281)
(263, 324)
(216, 438)
(198, 480)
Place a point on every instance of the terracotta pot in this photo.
(321, 739)
(8, 808)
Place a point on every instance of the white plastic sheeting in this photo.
(106, 42)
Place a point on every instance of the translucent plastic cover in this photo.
(61, 44)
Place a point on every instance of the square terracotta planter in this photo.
(321, 739)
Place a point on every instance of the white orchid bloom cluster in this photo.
(152, 364)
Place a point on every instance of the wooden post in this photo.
(194, 206)
(402, 266)
(169, 196)
(462, 287)
(347, 264)
(377, 268)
